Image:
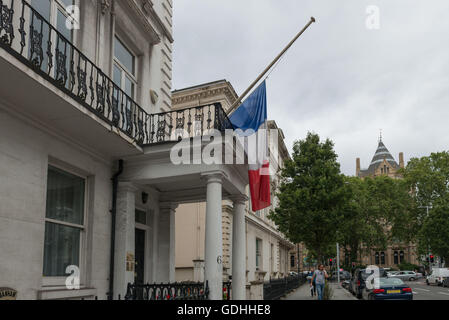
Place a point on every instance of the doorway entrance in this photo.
(139, 277)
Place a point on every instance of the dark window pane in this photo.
(43, 7)
(129, 87)
(117, 76)
(65, 197)
(123, 55)
(62, 27)
(41, 29)
(141, 217)
(62, 249)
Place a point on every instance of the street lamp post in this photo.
(338, 263)
(428, 246)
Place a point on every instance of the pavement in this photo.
(303, 293)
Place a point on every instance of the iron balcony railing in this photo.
(187, 123)
(278, 288)
(170, 291)
(38, 44)
(174, 291)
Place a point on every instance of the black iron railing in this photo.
(29, 37)
(278, 288)
(174, 291)
(171, 291)
(187, 123)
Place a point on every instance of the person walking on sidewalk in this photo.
(319, 277)
(313, 287)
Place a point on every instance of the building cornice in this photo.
(140, 14)
(147, 7)
(205, 93)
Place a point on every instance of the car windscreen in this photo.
(385, 282)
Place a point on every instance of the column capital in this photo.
(239, 199)
(214, 176)
(169, 206)
(127, 187)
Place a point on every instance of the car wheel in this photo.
(427, 282)
(412, 279)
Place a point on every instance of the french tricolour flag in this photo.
(251, 119)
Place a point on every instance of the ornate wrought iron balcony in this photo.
(187, 123)
(35, 42)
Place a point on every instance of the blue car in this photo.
(389, 289)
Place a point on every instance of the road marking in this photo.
(414, 292)
(422, 289)
(446, 294)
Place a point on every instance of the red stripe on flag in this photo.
(259, 186)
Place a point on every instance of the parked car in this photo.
(391, 273)
(437, 276)
(390, 289)
(446, 282)
(345, 284)
(358, 281)
(404, 275)
(293, 274)
(344, 275)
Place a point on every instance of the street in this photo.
(421, 291)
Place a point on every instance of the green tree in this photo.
(376, 213)
(435, 230)
(311, 195)
(428, 180)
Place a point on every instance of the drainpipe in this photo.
(115, 180)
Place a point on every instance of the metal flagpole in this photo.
(238, 102)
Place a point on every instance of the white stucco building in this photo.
(86, 130)
(267, 250)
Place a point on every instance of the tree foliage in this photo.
(377, 212)
(428, 179)
(311, 195)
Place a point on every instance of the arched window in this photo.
(401, 257)
(396, 257)
(292, 261)
(377, 258)
(382, 258)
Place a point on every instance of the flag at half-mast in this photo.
(251, 119)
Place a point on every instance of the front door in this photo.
(140, 257)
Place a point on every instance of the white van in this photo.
(437, 276)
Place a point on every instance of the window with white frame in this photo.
(124, 73)
(64, 221)
(56, 13)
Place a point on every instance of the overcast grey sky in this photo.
(340, 80)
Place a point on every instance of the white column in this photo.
(155, 246)
(166, 243)
(124, 239)
(239, 248)
(214, 238)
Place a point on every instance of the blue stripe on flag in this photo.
(253, 112)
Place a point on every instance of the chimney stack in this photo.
(401, 160)
(357, 167)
